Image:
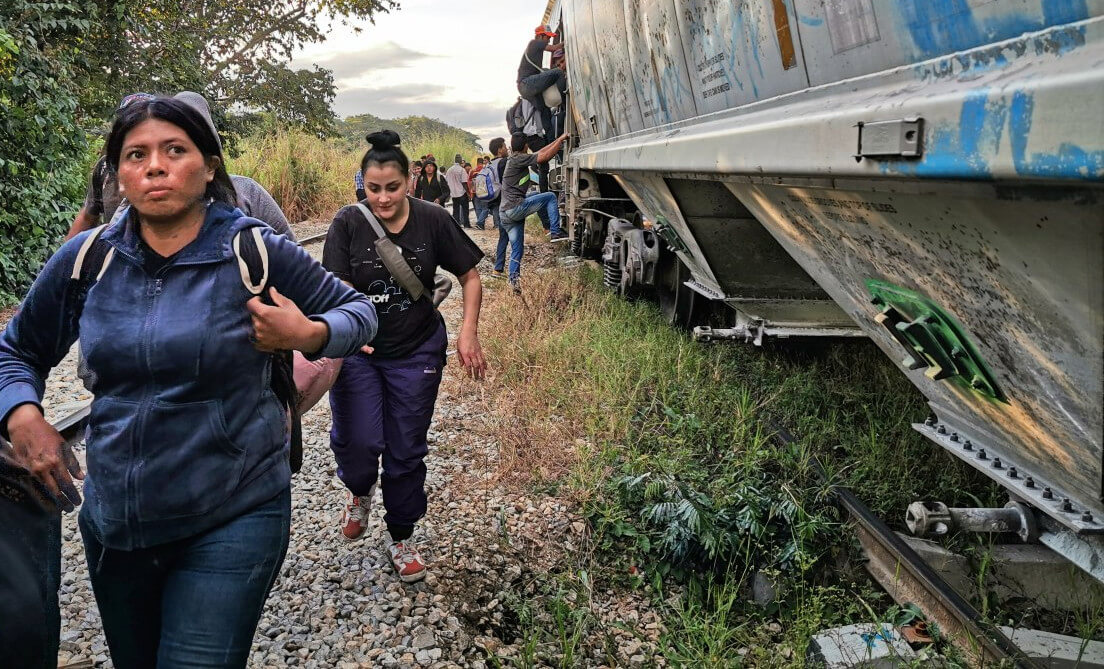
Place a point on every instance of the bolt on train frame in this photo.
(927, 173)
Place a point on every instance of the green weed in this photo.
(670, 449)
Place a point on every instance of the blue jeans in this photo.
(491, 210)
(481, 212)
(532, 88)
(512, 232)
(193, 602)
(535, 203)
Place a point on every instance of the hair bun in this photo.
(383, 139)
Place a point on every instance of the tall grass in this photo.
(311, 178)
(668, 447)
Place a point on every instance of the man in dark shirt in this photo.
(516, 205)
(533, 79)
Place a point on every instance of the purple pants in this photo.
(382, 407)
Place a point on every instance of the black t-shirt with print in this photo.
(430, 239)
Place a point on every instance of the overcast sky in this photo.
(455, 61)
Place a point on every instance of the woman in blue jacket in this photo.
(187, 499)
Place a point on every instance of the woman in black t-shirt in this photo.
(431, 186)
(382, 401)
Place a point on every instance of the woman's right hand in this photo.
(42, 450)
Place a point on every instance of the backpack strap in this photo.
(93, 257)
(92, 260)
(252, 257)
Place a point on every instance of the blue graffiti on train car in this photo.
(965, 150)
(1057, 41)
(1069, 162)
(741, 33)
(939, 27)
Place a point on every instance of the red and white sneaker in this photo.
(407, 561)
(355, 519)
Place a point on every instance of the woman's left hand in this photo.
(283, 327)
(471, 355)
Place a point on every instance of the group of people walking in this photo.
(187, 305)
(193, 305)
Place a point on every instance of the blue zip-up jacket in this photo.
(185, 432)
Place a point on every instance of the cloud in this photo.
(375, 58)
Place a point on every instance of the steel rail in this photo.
(312, 239)
(908, 579)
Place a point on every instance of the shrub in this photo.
(42, 149)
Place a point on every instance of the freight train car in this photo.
(929, 173)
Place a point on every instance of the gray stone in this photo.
(864, 645)
(1058, 650)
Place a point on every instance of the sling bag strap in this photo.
(392, 257)
(539, 68)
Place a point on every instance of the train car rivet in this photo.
(982, 455)
(941, 430)
(1087, 517)
(929, 421)
(1067, 505)
(1012, 473)
(997, 463)
(1030, 482)
(954, 436)
(1047, 493)
(968, 445)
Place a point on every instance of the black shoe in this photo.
(559, 236)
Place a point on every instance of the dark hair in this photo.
(385, 149)
(417, 163)
(496, 144)
(427, 164)
(185, 117)
(518, 142)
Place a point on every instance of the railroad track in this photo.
(313, 239)
(908, 579)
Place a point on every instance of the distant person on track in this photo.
(188, 505)
(103, 198)
(533, 79)
(516, 179)
(457, 178)
(358, 185)
(431, 186)
(382, 402)
(480, 207)
(415, 172)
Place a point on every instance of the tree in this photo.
(42, 147)
(236, 53)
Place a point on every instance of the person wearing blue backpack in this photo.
(487, 187)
